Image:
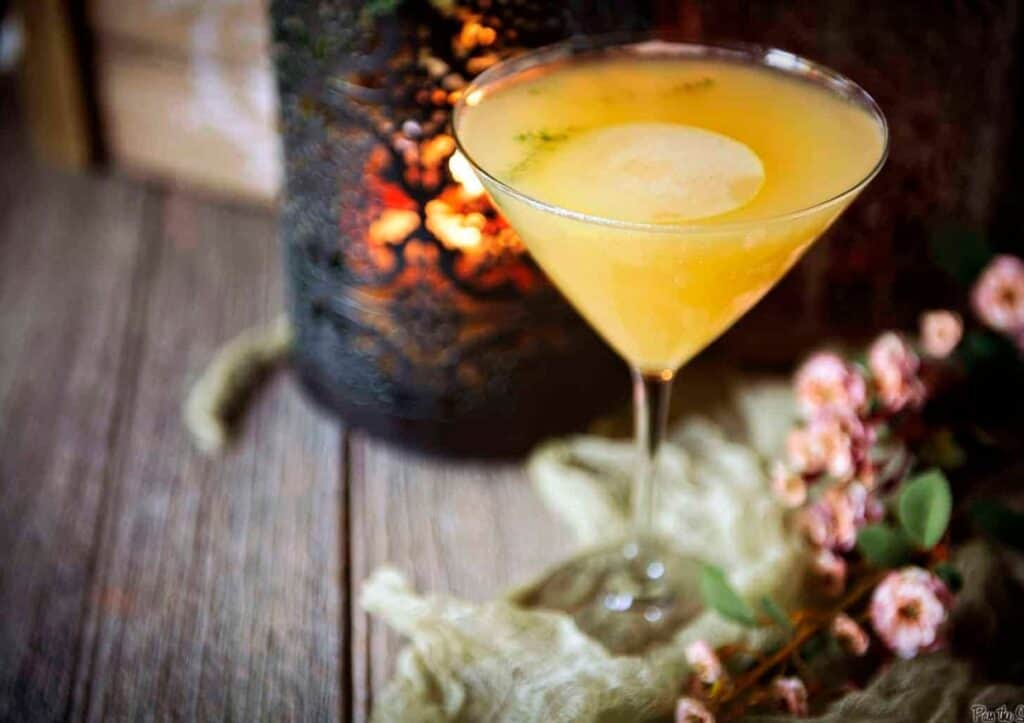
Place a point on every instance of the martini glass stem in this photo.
(651, 392)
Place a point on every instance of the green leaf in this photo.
(883, 546)
(999, 522)
(776, 614)
(949, 575)
(719, 595)
(925, 506)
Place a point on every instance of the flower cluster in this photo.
(838, 467)
(998, 297)
(847, 463)
(845, 451)
(877, 533)
(844, 406)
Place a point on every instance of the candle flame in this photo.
(463, 173)
(393, 226)
(454, 229)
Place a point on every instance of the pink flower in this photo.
(829, 523)
(908, 609)
(705, 663)
(691, 710)
(850, 635)
(829, 443)
(791, 692)
(894, 366)
(816, 523)
(843, 511)
(867, 475)
(852, 506)
(789, 488)
(941, 331)
(833, 520)
(827, 383)
(830, 570)
(998, 295)
(864, 506)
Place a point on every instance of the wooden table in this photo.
(140, 580)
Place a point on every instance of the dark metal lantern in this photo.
(417, 313)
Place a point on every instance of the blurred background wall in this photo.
(182, 91)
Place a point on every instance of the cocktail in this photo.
(665, 188)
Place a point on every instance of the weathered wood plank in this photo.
(467, 529)
(69, 247)
(217, 591)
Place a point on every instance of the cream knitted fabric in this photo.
(512, 660)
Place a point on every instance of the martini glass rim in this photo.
(655, 45)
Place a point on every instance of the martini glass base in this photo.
(629, 596)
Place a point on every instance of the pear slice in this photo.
(650, 173)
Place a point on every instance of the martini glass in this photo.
(664, 188)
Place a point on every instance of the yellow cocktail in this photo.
(665, 188)
(692, 161)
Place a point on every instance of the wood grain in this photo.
(460, 528)
(138, 579)
(69, 248)
(217, 593)
(142, 581)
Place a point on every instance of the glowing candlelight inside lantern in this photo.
(417, 311)
(464, 174)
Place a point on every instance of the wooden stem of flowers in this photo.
(801, 636)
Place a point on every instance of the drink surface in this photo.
(694, 176)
